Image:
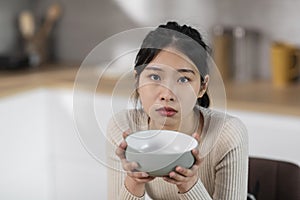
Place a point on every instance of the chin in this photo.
(167, 121)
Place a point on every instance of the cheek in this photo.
(187, 98)
(147, 96)
(187, 103)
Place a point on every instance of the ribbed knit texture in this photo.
(223, 171)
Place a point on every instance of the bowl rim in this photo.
(194, 144)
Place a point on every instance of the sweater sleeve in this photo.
(198, 191)
(232, 162)
(231, 166)
(115, 173)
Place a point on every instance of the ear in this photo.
(135, 79)
(134, 73)
(203, 86)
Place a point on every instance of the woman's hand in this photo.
(134, 181)
(184, 178)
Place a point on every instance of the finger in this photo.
(184, 172)
(172, 180)
(129, 166)
(196, 155)
(196, 136)
(138, 175)
(177, 177)
(126, 133)
(123, 144)
(143, 180)
(120, 151)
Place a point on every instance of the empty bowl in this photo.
(158, 152)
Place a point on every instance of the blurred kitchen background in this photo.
(84, 25)
(255, 44)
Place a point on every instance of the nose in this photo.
(167, 95)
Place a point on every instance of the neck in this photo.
(190, 124)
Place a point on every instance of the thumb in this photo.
(196, 136)
(126, 133)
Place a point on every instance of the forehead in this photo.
(170, 57)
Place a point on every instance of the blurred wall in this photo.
(85, 24)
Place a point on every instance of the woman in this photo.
(171, 74)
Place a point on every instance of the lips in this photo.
(166, 111)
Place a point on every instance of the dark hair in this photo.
(183, 38)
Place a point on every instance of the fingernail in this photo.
(123, 143)
(145, 175)
(171, 174)
(135, 165)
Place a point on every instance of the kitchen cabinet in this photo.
(258, 96)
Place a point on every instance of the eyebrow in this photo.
(154, 68)
(179, 70)
(186, 70)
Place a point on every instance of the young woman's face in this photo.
(169, 87)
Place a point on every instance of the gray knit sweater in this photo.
(223, 170)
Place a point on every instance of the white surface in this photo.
(272, 136)
(42, 157)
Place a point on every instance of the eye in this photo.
(154, 77)
(183, 79)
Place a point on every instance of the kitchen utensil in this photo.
(285, 62)
(236, 52)
(26, 24)
(36, 44)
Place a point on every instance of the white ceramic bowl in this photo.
(158, 152)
